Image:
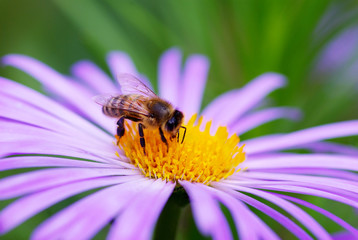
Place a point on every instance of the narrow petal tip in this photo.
(120, 62)
(294, 114)
(80, 66)
(277, 79)
(117, 54)
(171, 52)
(9, 59)
(201, 60)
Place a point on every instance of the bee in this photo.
(138, 103)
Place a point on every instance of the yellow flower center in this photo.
(200, 158)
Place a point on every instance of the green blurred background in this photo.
(242, 39)
(313, 43)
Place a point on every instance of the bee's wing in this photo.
(125, 104)
(104, 99)
(132, 85)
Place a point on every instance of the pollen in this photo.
(202, 157)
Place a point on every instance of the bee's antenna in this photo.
(184, 134)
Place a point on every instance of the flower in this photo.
(339, 53)
(67, 136)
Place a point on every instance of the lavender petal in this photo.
(295, 211)
(16, 96)
(328, 161)
(329, 215)
(30, 162)
(316, 181)
(239, 102)
(11, 216)
(313, 192)
(49, 148)
(33, 181)
(142, 213)
(258, 118)
(275, 215)
(217, 104)
(194, 79)
(169, 75)
(120, 62)
(14, 132)
(71, 92)
(92, 75)
(207, 213)
(331, 148)
(344, 236)
(73, 222)
(318, 171)
(315, 134)
(249, 226)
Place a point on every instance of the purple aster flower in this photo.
(339, 52)
(67, 136)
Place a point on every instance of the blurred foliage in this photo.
(242, 39)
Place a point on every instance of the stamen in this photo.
(200, 158)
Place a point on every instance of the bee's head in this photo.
(173, 124)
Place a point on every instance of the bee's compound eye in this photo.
(170, 125)
(174, 121)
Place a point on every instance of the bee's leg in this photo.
(141, 134)
(183, 134)
(164, 140)
(120, 128)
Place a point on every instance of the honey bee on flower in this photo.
(127, 191)
(139, 103)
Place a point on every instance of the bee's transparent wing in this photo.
(105, 99)
(124, 104)
(132, 85)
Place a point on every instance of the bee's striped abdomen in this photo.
(112, 112)
(115, 106)
(122, 106)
